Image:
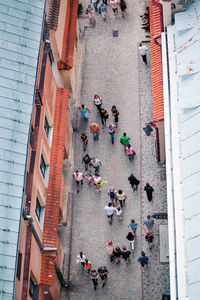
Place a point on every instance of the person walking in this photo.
(96, 164)
(134, 182)
(95, 4)
(119, 212)
(78, 176)
(103, 272)
(114, 4)
(143, 52)
(84, 140)
(131, 238)
(121, 196)
(123, 7)
(124, 140)
(149, 238)
(112, 193)
(109, 212)
(94, 276)
(130, 152)
(81, 259)
(149, 222)
(97, 101)
(133, 226)
(143, 260)
(111, 131)
(149, 190)
(97, 182)
(95, 130)
(88, 265)
(104, 116)
(110, 249)
(84, 111)
(115, 113)
(86, 160)
(103, 10)
(89, 11)
(125, 254)
(117, 254)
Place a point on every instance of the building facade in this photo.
(40, 66)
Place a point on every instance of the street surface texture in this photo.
(114, 70)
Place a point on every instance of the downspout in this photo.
(153, 124)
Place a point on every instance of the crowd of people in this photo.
(93, 165)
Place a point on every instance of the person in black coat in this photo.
(149, 190)
(134, 182)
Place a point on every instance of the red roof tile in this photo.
(156, 27)
(66, 61)
(50, 237)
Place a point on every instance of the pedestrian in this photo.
(89, 11)
(104, 116)
(112, 193)
(114, 4)
(133, 226)
(103, 10)
(130, 152)
(125, 254)
(117, 254)
(89, 178)
(110, 249)
(84, 140)
(149, 222)
(143, 260)
(97, 182)
(123, 7)
(109, 211)
(124, 140)
(121, 196)
(95, 4)
(149, 190)
(111, 131)
(103, 272)
(84, 111)
(115, 113)
(134, 182)
(143, 52)
(78, 176)
(86, 160)
(95, 130)
(96, 164)
(81, 259)
(94, 276)
(131, 238)
(88, 265)
(97, 101)
(119, 212)
(149, 238)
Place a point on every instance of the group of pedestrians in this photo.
(101, 8)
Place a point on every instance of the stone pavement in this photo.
(113, 69)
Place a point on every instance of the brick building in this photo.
(40, 64)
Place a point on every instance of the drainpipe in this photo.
(153, 124)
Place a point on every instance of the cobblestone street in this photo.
(113, 69)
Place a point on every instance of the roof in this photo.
(184, 45)
(156, 27)
(20, 31)
(50, 229)
(69, 35)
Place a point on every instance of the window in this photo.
(19, 264)
(43, 166)
(52, 62)
(38, 209)
(33, 289)
(46, 126)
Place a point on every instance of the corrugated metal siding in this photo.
(20, 31)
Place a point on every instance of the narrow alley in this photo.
(114, 70)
